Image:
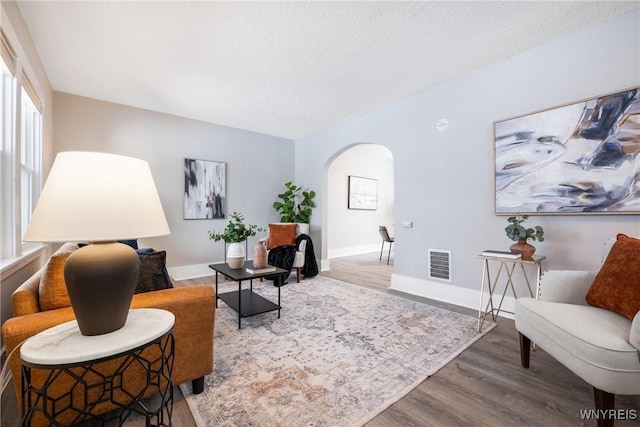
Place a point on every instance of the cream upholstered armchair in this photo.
(590, 322)
(285, 233)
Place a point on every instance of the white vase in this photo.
(236, 255)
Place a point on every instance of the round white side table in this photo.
(61, 354)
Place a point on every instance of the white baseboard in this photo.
(196, 271)
(439, 291)
(445, 292)
(324, 265)
(354, 250)
(193, 271)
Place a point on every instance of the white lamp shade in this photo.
(97, 197)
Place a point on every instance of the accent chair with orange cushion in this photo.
(285, 233)
(282, 234)
(590, 322)
(42, 302)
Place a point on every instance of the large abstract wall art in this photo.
(581, 158)
(205, 189)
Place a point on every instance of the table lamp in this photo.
(98, 198)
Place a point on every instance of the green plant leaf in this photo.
(236, 230)
(516, 231)
(296, 204)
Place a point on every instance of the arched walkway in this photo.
(350, 231)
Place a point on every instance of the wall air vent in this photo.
(440, 264)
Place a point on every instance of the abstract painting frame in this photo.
(205, 189)
(577, 158)
(363, 193)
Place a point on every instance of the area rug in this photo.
(339, 355)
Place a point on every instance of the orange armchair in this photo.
(192, 306)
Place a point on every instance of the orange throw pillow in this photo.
(52, 292)
(282, 234)
(617, 284)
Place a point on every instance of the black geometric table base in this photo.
(92, 389)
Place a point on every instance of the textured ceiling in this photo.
(284, 68)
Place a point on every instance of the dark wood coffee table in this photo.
(244, 301)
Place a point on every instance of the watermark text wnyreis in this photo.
(609, 414)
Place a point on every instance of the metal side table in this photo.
(508, 266)
(62, 353)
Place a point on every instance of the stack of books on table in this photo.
(501, 254)
(255, 270)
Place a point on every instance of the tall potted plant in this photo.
(235, 233)
(295, 204)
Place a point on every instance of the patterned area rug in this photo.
(339, 355)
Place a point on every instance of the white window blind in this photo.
(30, 158)
(7, 148)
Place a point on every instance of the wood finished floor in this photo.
(484, 386)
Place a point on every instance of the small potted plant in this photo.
(235, 233)
(296, 204)
(517, 232)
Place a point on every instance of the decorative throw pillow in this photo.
(153, 274)
(52, 292)
(617, 284)
(132, 242)
(282, 234)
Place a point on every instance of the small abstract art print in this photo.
(363, 193)
(581, 158)
(205, 189)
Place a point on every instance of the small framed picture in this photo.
(363, 193)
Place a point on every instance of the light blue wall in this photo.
(257, 165)
(444, 180)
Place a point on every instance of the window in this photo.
(7, 109)
(20, 154)
(30, 159)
